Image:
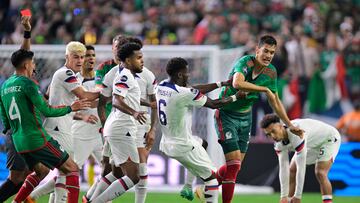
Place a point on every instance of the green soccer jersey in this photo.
(21, 104)
(245, 66)
(100, 73)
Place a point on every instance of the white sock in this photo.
(189, 178)
(43, 189)
(211, 192)
(116, 189)
(91, 190)
(103, 184)
(141, 187)
(52, 198)
(60, 189)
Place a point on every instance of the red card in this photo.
(25, 12)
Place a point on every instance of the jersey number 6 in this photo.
(162, 115)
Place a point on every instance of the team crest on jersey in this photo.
(124, 78)
(69, 72)
(98, 78)
(245, 70)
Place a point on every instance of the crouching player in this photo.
(319, 145)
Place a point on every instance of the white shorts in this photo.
(198, 162)
(64, 139)
(106, 149)
(123, 148)
(85, 148)
(326, 152)
(141, 135)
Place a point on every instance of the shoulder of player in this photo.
(64, 72)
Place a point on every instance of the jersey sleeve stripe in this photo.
(121, 85)
(300, 146)
(71, 79)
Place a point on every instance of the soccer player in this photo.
(253, 74)
(64, 89)
(104, 107)
(173, 100)
(86, 125)
(121, 125)
(18, 169)
(319, 145)
(21, 104)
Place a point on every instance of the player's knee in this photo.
(204, 144)
(321, 174)
(292, 170)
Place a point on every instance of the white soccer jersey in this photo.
(63, 82)
(125, 85)
(81, 129)
(108, 81)
(316, 134)
(173, 103)
(146, 80)
(320, 143)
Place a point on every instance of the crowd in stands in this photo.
(318, 57)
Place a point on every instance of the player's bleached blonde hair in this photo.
(75, 47)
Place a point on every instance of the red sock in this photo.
(228, 183)
(221, 173)
(72, 184)
(30, 183)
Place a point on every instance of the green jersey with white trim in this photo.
(245, 65)
(21, 104)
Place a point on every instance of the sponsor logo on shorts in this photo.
(228, 135)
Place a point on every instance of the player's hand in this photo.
(227, 83)
(25, 21)
(295, 200)
(150, 139)
(284, 200)
(140, 116)
(80, 105)
(241, 94)
(89, 118)
(297, 131)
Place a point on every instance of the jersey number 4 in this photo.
(162, 115)
(14, 112)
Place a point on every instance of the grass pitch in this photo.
(175, 198)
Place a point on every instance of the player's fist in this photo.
(284, 200)
(295, 200)
(140, 116)
(80, 105)
(89, 118)
(227, 83)
(150, 139)
(25, 21)
(241, 95)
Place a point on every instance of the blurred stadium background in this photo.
(318, 61)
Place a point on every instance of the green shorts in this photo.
(233, 130)
(52, 155)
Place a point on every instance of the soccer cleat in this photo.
(199, 193)
(187, 193)
(29, 200)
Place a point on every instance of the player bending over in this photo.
(319, 145)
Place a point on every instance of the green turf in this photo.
(175, 198)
